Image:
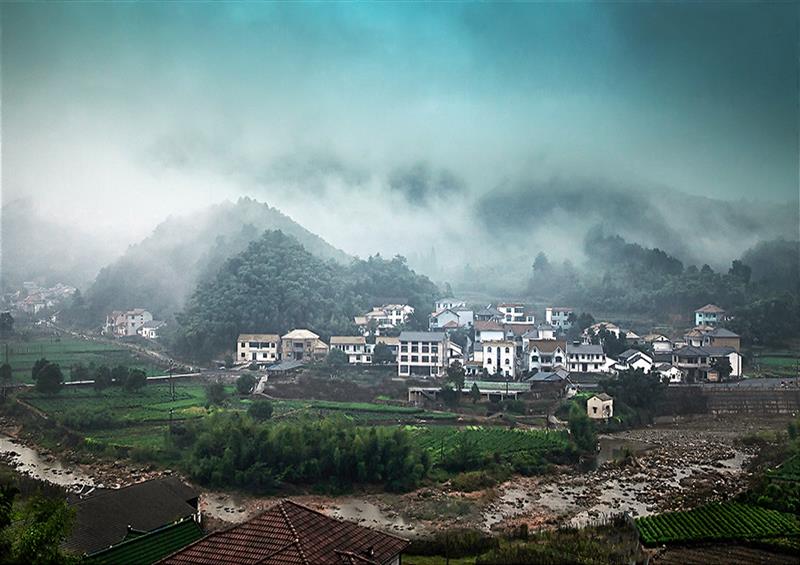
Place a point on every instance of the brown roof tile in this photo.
(292, 534)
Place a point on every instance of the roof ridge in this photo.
(341, 520)
(293, 530)
(284, 548)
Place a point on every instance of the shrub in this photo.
(461, 542)
(245, 384)
(135, 380)
(215, 393)
(260, 410)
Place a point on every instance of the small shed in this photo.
(600, 406)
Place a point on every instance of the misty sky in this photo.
(119, 115)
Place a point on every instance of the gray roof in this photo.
(421, 336)
(722, 332)
(584, 348)
(287, 365)
(545, 376)
(603, 396)
(691, 351)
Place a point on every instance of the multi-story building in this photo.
(500, 358)
(451, 319)
(302, 345)
(699, 362)
(150, 330)
(587, 358)
(546, 354)
(382, 318)
(709, 315)
(124, 324)
(355, 347)
(516, 313)
(488, 331)
(264, 349)
(558, 317)
(423, 354)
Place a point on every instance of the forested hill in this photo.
(160, 273)
(276, 285)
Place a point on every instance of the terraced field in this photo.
(21, 355)
(728, 521)
(442, 439)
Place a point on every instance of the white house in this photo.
(558, 317)
(499, 357)
(450, 319)
(595, 329)
(488, 331)
(709, 315)
(382, 318)
(669, 373)
(600, 407)
(659, 342)
(423, 354)
(264, 349)
(149, 330)
(587, 358)
(634, 359)
(355, 347)
(546, 354)
(698, 362)
(124, 324)
(515, 313)
(448, 304)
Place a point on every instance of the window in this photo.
(507, 361)
(508, 350)
(415, 358)
(404, 369)
(403, 358)
(488, 350)
(489, 361)
(425, 359)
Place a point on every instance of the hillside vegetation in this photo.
(160, 272)
(276, 285)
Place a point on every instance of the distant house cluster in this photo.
(127, 323)
(504, 341)
(33, 299)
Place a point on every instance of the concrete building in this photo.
(355, 347)
(264, 349)
(423, 354)
(546, 354)
(600, 407)
(150, 330)
(587, 358)
(500, 358)
(302, 345)
(634, 359)
(127, 323)
(448, 304)
(697, 362)
(516, 313)
(558, 317)
(709, 315)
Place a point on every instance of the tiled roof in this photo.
(102, 520)
(348, 339)
(488, 325)
(422, 336)
(150, 547)
(292, 534)
(722, 332)
(258, 337)
(301, 334)
(711, 309)
(547, 345)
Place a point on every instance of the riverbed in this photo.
(639, 472)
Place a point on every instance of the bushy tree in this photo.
(382, 355)
(456, 376)
(475, 393)
(136, 380)
(6, 324)
(119, 374)
(260, 410)
(215, 393)
(102, 378)
(49, 378)
(581, 429)
(336, 359)
(245, 384)
(79, 372)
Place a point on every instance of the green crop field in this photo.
(439, 439)
(717, 522)
(152, 403)
(67, 351)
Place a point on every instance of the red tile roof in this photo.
(292, 534)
